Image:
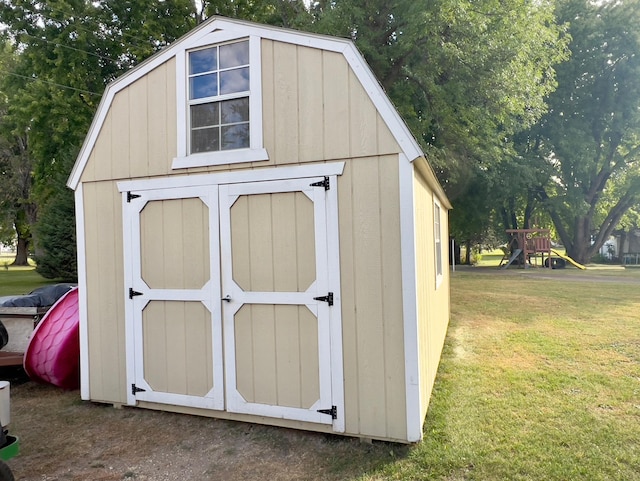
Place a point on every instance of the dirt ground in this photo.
(65, 439)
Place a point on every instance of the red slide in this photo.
(53, 353)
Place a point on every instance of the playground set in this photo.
(527, 246)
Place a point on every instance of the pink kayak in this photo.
(53, 352)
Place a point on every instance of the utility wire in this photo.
(37, 79)
(58, 44)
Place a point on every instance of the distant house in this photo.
(261, 239)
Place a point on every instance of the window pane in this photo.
(203, 61)
(236, 80)
(203, 86)
(234, 111)
(205, 115)
(234, 54)
(205, 140)
(235, 137)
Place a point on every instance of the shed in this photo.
(260, 238)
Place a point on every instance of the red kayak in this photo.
(53, 352)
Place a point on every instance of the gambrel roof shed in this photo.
(260, 238)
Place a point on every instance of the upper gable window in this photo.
(219, 90)
(219, 103)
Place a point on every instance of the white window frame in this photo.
(437, 242)
(256, 151)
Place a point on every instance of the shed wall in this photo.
(433, 299)
(314, 109)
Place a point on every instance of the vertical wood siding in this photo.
(177, 347)
(175, 244)
(277, 355)
(105, 291)
(433, 302)
(372, 298)
(314, 109)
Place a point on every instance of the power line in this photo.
(57, 44)
(49, 82)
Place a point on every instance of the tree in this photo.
(590, 139)
(17, 207)
(67, 51)
(465, 75)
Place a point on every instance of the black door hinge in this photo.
(333, 412)
(323, 183)
(131, 196)
(133, 293)
(135, 389)
(328, 298)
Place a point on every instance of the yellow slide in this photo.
(569, 259)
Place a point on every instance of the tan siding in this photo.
(138, 151)
(277, 355)
(120, 132)
(310, 128)
(287, 263)
(175, 244)
(177, 347)
(285, 68)
(433, 303)
(160, 157)
(105, 299)
(362, 120)
(103, 159)
(138, 137)
(372, 298)
(314, 109)
(336, 106)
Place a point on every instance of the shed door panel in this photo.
(176, 334)
(278, 356)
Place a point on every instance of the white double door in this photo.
(233, 298)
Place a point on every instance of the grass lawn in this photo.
(20, 280)
(539, 380)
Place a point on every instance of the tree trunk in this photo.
(22, 252)
(23, 233)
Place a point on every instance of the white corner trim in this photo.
(254, 175)
(85, 392)
(222, 157)
(409, 300)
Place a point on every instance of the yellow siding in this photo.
(314, 109)
(105, 291)
(372, 298)
(277, 355)
(175, 244)
(433, 302)
(177, 347)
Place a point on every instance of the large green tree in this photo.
(467, 76)
(65, 52)
(590, 139)
(17, 206)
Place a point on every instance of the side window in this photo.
(218, 90)
(437, 230)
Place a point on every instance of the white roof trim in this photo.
(218, 27)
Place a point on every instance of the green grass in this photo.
(20, 280)
(539, 380)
